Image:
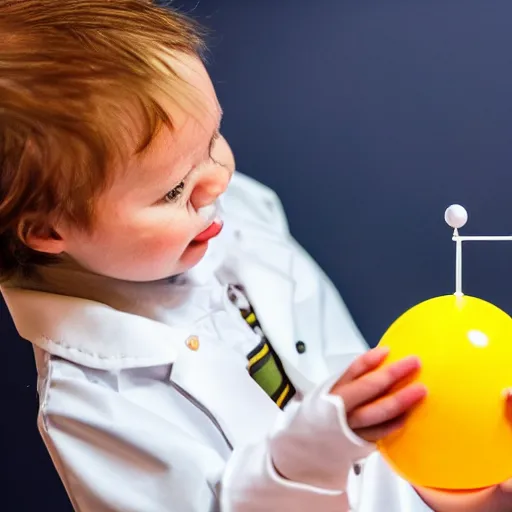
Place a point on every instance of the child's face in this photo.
(148, 220)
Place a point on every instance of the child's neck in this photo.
(68, 278)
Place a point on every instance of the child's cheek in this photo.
(164, 244)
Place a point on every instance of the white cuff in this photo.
(251, 484)
(313, 443)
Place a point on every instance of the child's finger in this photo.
(363, 364)
(374, 384)
(507, 393)
(506, 486)
(374, 434)
(387, 408)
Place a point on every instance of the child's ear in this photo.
(40, 236)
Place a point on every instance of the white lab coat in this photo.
(136, 421)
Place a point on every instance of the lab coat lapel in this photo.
(271, 289)
(271, 294)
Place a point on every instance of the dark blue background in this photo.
(368, 118)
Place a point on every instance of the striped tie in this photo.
(264, 366)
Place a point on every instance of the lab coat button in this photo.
(301, 347)
(357, 469)
(193, 343)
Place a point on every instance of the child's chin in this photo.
(193, 254)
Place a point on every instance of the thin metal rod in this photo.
(458, 268)
(457, 238)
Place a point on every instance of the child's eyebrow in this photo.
(215, 136)
(216, 132)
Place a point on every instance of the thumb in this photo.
(506, 486)
(507, 395)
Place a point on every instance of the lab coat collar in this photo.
(90, 333)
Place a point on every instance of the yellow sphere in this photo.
(459, 436)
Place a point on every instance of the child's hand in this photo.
(373, 409)
(505, 489)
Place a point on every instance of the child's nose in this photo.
(210, 186)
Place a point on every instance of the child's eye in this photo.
(215, 137)
(175, 192)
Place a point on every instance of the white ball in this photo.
(456, 216)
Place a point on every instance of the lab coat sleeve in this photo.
(114, 455)
(304, 466)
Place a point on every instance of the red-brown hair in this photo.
(69, 73)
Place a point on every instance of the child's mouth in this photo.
(210, 232)
(210, 214)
